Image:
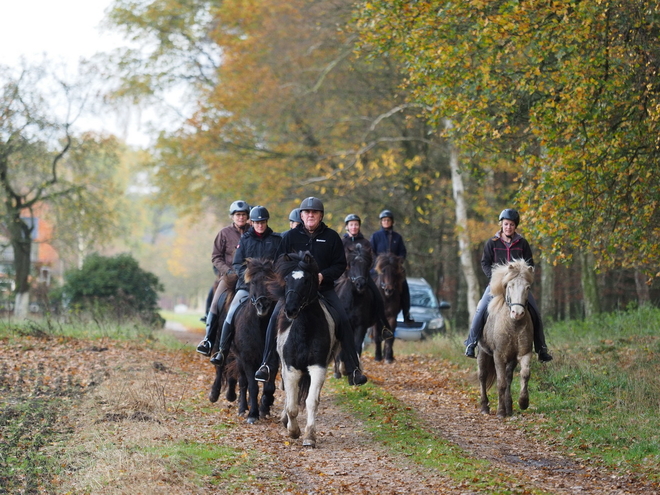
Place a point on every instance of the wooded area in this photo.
(550, 108)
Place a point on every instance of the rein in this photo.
(306, 300)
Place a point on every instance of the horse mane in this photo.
(386, 259)
(503, 274)
(256, 266)
(356, 251)
(286, 264)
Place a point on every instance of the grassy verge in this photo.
(396, 426)
(190, 321)
(599, 398)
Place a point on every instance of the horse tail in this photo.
(303, 388)
(487, 367)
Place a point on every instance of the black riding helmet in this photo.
(294, 216)
(239, 205)
(352, 217)
(259, 214)
(311, 203)
(510, 214)
(386, 214)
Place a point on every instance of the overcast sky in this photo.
(64, 30)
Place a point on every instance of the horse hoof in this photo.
(213, 397)
(231, 397)
(524, 404)
(337, 376)
(389, 361)
(251, 421)
(378, 359)
(485, 410)
(309, 443)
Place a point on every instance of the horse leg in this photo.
(486, 373)
(508, 399)
(267, 398)
(525, 372)
(291, 379)
(216, 387)
(500, 368)
(338, 366)
(377, 335)
(317, 378)
(230, 394)
(389, 345)
(242, 392)
(253, 396)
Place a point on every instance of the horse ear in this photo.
(308, 257)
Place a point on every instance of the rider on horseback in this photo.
(224, 246)
(326, 247)
(506, 245)
(352, 237)
(258, 242)
(386, 240)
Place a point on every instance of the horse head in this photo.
(301, 282)
(389, 268)
(516, 279)
(359, 261)
(257, 274)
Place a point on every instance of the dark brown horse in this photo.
(389, 279)
(507, 338)
(250, 323)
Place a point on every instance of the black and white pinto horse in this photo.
(353, 292)
(306, 341)
(250, 323)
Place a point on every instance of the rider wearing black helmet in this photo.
(222, 258)
(326, 247)
(386, 240)
(506, 245)
(258, 242)
(352, 237)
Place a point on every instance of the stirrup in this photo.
(218, 358)
(205, 347)
(263, 373)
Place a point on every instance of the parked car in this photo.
(425, 310)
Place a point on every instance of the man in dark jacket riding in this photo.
(326, 247)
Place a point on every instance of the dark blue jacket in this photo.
(388, 241)
(326, 248)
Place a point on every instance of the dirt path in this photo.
(142, 402)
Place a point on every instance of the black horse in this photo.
(306, 341)
(250, 323)
(353, 291)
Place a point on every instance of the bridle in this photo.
(306, 301)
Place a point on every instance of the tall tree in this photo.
(34, 144)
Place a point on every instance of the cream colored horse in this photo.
(508, 337)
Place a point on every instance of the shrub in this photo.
(115, 285)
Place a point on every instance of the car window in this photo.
(422, 296)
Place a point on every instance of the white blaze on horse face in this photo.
(298, 274)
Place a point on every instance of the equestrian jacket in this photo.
(388, 241)
(326, 248)
(224, 247)
(253, 245)
(350, 241)
(497, 252)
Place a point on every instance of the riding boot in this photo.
(350, 357)
(539, 337)
(269, 362)
(226, 338)
(206, 346)
(478, 323)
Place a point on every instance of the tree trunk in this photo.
(589, 285)
(643, 296)
(467, 265)
(548, 288)
(21, 242)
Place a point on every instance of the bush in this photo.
(115, 285)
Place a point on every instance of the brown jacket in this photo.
(224, 246)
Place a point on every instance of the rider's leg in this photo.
(379, 308)
(344, 332)
(478, 323)
(539, 336)
(206, 345)
(227, 334)
(269, 361)
(405, 302)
